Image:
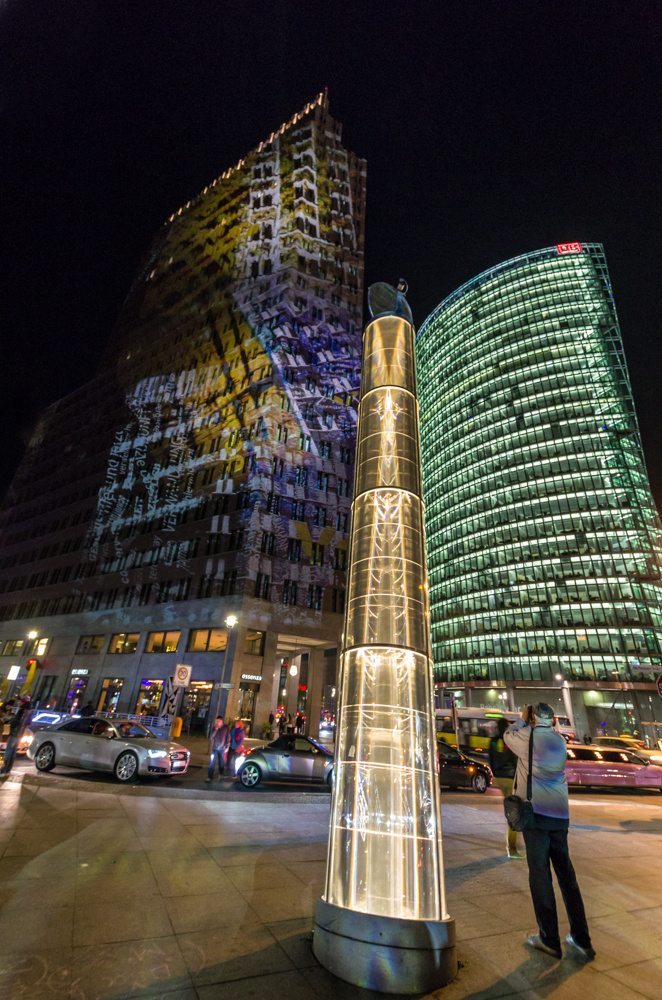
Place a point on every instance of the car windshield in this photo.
(319, 745)
(134, 731)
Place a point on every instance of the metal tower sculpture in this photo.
(382, 922)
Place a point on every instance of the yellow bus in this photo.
(477, 726)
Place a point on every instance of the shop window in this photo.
(124, 642)
(162, 642)
(111, 690)
(254, 642)
(90, 644)
(149, 696)
(207, 640)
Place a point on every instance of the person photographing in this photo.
(547, 840)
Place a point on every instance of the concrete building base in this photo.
(384, 953)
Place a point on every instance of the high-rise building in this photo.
(208, 468)
(543, 537)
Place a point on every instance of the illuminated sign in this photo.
(79, 671)
(251, 677)
(14, 671)
(568, 248)
(182, 676)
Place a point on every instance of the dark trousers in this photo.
(543, 847)
(217, 755)
(10, 753)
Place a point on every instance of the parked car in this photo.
(289, 757)
(459, 771)
(599, 765)
(40, 720)
(630, 743)
(127, 749)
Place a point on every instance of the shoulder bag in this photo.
(519, 812)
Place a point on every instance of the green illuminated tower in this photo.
(543, 539)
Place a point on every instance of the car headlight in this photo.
(27, 739)
(158, 753)
(238, 762)
(657, 758)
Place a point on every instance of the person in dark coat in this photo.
(236, 745)
(218, 748)
(16, 719)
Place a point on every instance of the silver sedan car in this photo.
(127, 749)
(290, 757)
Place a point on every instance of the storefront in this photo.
(249, 688)
(75, 696)
(150, 695)
(197, 706)
(109, 696)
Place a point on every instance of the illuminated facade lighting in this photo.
(384, 892)
(543, 539)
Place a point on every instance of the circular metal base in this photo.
(384, 953)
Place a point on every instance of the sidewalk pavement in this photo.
(106, 896)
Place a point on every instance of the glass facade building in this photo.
(543, 538)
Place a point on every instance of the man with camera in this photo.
(547, 839)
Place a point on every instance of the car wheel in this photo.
(44, 759)
(250, 775)
(479, 783)
(126, 767)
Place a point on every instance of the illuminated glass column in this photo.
(382, 922)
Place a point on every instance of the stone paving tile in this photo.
(269, 876)
(129, 969)
(122, 920)
(288, 903)
(290, 985)
(36, 930)
(209, 910)
(624, 938)
(36, 975)
(36, 894)
(646, 977)
(310, 872)
(295, 938)
(193, 879)
(223, 954)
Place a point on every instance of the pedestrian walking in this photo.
(16, 717)
(290, 724)
(236, 745)
(218, 747)
(547, 842)
(281, 723)
(503, 764)
(298, 723)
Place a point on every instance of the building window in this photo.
(317, 555)
(124, 642)
(289, 591)
(323, 481)
(319, 516)
(90, 644)
(267, 545)
(111, 690)
(341, 522)
(338, 601)
(315, 597)
(149, 696)
(207, 640)
(162, 642)
(254, 642)
(298, 511)
(262, 586)
(294, 549)
(340, 559)
(229, 583)
(13, 647)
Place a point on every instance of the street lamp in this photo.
(230, 623)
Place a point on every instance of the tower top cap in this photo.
(385, 300)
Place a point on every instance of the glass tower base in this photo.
(387, 954)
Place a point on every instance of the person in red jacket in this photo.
(218, 748)
(236, 746)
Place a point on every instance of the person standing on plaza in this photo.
(503, 763)
(236, 745)
(281, 723)
(547, 842)
(16, 718)
(218, 746)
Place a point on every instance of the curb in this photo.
(234, 793)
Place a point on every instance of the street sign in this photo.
(182, 677)
(659, 685)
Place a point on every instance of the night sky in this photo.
(490, 127)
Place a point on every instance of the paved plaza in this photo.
(109, 893)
